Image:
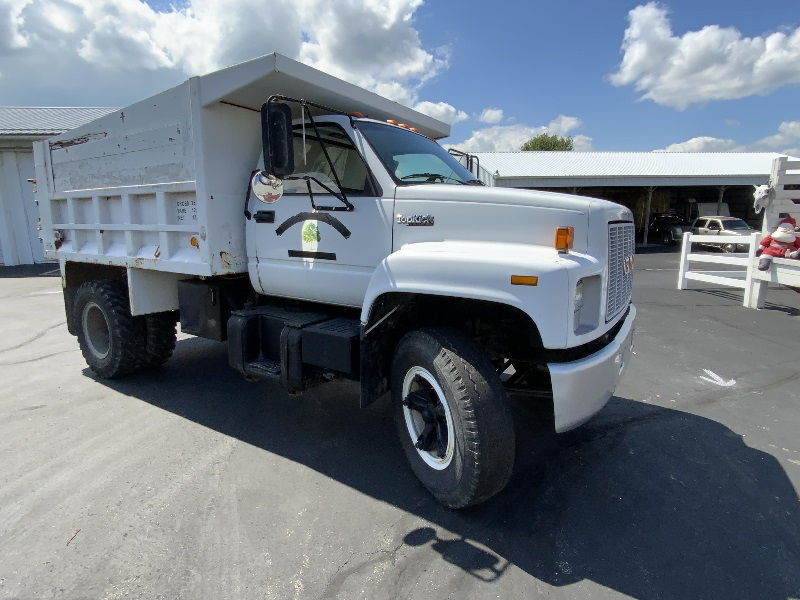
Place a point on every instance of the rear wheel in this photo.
(161, 336)
(729, 247)
(452, 417)
(111, 340)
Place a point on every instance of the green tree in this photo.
(547, 142)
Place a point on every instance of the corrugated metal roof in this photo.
(46, 120)
(626, 164)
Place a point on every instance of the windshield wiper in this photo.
(432, 177)
(475, 182)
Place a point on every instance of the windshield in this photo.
(412, 158)
(735, 224)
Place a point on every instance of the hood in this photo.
(491, 214)
(495, 195)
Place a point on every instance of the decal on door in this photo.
(310, 235)
(310, 216)
(305, 254)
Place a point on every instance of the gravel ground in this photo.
(192, 483)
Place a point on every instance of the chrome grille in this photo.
(620, 268)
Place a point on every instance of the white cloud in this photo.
(785, 141)
(702, 144)
(563, 124)
(113, 52)
(11, 23)
(713, 63)
(787, 135)
(581, 143)
(499, 138)
(509, 138)
(442, 111)
(491, 115)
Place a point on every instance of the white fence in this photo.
(784, 271)
(784, 199)
(738, 278)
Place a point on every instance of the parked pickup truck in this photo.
(321, 231)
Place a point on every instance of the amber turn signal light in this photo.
(565, 236)
(524, 280)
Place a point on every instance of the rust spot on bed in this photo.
(81, 139)
(227, 260)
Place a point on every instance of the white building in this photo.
(19, 128)
(645, 182)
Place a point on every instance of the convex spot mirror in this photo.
(266, 187)
(277, 139)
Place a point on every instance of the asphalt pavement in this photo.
(190, 482)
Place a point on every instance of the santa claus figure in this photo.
(783, 243)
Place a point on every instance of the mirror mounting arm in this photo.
(348, 207)
(340, 195)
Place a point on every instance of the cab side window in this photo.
(309, 159)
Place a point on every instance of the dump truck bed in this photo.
(161, 184)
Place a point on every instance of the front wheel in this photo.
(729, 247)
(452, 417)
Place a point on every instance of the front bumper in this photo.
(582, 387)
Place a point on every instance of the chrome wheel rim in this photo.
(96, 331)
(428, 419)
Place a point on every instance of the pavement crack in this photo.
(30, 360)
(34, 337)
(342, 575)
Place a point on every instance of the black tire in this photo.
(481, 457)
(161, 336)
(729, 248)
(666, 238)
(112, 341)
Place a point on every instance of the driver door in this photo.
(322, 255)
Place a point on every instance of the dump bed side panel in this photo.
(122, 190)
(146, 143)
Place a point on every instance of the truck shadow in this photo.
(648, 501)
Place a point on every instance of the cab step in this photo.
(294, 346)
(263, 369)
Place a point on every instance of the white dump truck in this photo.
(321, 232)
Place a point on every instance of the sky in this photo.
(675, 75)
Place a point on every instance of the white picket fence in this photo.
(738, 278)
(785, 199)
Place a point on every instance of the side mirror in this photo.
(266, 187)
(277, 138)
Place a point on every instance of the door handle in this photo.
(264, 216)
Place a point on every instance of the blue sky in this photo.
(547, 66)
(539, 59)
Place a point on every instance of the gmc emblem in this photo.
(627, 265)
